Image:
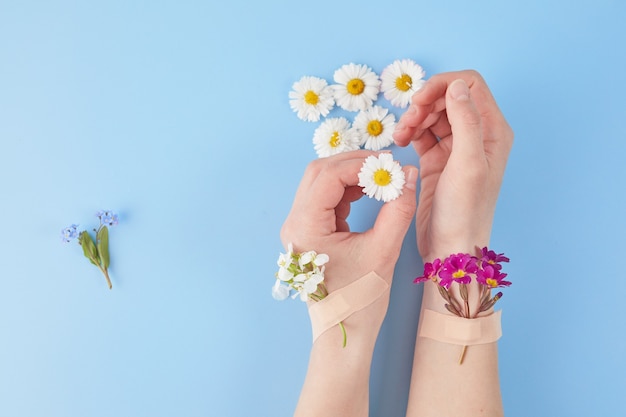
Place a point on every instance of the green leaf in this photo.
(103, 246)
(89, 248)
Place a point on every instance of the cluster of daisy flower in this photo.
(302, 274)
(356, 89)
(460, 268)
(96, 251)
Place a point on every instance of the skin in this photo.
(460, 180)
(463, 142)
(317, 221)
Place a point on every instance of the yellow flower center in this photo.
(459, 274)
(310, 97)
(382, 177)
(374, 128)
(404, 82)
(491, 282)
(335, 139)
(355, 86)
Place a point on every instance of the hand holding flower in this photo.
(318, 221)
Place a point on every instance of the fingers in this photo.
(322, 201)
(314, 169)
(395, 216)
(328, 189)
(465, 123)
(430, 102)
(413, 122)
(342, 210)
(435, 89)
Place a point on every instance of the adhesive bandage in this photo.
(459, 330)
(344, 302)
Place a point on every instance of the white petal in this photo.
(280, 292)
(284, 274)
(306, 258)
(321, 259)
(387, 192)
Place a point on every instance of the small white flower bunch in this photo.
(356, 89)
(301, 272)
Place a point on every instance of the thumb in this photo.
(395, 216)
(465, 121)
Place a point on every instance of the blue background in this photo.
(175, 114)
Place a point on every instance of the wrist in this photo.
(462, 283)
(360, 328)
(445, 250)
(432, 299)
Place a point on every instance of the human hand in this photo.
(317, 221)
(463, 142)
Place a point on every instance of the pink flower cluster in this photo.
(461, 267)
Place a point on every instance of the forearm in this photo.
(337, 380)
(442, 387)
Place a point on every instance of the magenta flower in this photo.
(430, 271)
(492, 258)
(457, 268)
(491, 277)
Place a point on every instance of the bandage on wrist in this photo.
(342, 303)
(458, 330)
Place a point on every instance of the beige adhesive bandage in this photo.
(458, 330)
(342, 303)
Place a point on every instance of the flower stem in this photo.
(462, 355)
(106, 275)
(343, 331)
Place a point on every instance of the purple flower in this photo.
(492, 258)
(457, 268)
(491, 277)
(69, 233)
(430, 271)
(107, 217)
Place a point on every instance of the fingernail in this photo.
(400, 127)
(411, 179)
(459, 90)
(412, 111)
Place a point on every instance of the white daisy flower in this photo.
(381, 177)
(334, 136)
(400, 80)
(311, 98)
(375, 128)
(357, 87)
